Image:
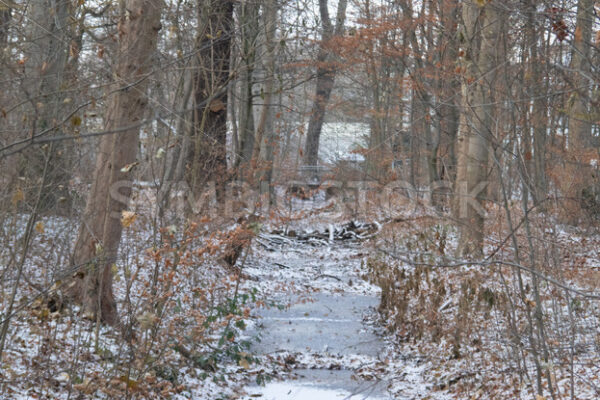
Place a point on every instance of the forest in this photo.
(300, 199)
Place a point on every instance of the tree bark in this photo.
(325, 80)
(207, 158)
(476, 126)
(100, 233)
(266, 137)
(5, 17)
(578, 169)
(538, 119)
(51, 34)
(449, 85)
(249, 30)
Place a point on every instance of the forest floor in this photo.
(327, 337)
(304, 322)
(311, 330)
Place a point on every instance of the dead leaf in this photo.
(39, 227)
(216, 105)
(244, 363)
(131, 384)
(129, 167)
(73, 49)
(128, 218)
(18, 196)
(75, 120)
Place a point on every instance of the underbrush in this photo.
(183, 318)
(513, 325)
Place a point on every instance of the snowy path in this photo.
(325, 339)
(331, 326)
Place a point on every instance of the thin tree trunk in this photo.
(249, 30)
(579, 126)
(538, 118)
(100, 233)
(51, 34)
(266, 137)
(325, 80)
(449, 86)
(173, 172)
(5, 17)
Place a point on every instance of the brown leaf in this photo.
(128, 218)
(39, 227)
(73, 49)
(244, 363)
(216, 105)
(129, 167)
(18, 196)
(75, 120)
(131, 384)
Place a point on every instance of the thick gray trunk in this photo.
(448, 110)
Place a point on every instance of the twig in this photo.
(328, 276)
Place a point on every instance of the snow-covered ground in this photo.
(302, 323)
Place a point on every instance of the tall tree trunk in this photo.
(449, 85)
(266, 137)
(47, 51)
(207, 159)
(538, 119)
(249, 30)
(5, 17)
(100, 233)
(325, 80)
(476, 126)
(579, 126)
(174, 165)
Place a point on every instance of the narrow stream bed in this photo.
(322, 333)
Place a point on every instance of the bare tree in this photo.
(5, 17)
(579, 129)
(249, 31)
(325, 80)
(207, 158)
(100, 233)
(47, 50)
(266, 138)
(475, 131)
